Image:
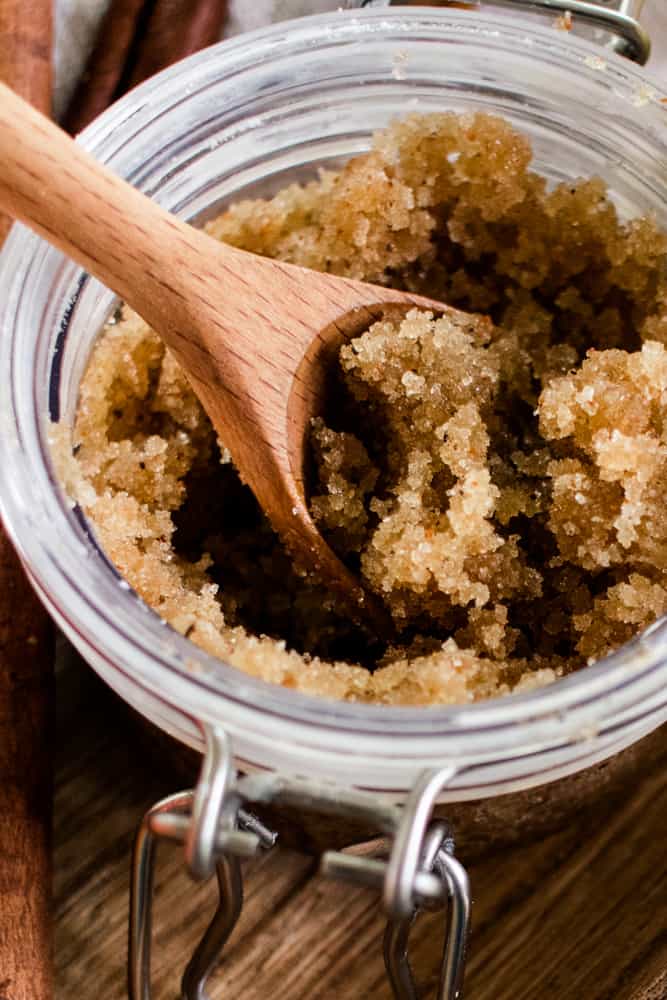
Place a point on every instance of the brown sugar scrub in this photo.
(497, 480)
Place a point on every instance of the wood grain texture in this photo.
(26, 698)
(254, 335)
(580, 915)
(26, 648)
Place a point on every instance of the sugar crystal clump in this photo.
(498, 479)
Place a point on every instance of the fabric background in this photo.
(76, 21)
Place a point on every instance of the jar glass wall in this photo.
(241, 120)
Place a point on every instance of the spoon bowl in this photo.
(255, 336)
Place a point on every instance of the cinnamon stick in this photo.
(176, 29)
(26, 646)
(136, 39)
(100, 82)
(26, 698)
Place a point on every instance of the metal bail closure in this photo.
(618, 17)
(422, 848)
(216, 833)
(421, 873)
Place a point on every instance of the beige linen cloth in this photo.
(76, 21)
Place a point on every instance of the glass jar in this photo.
(242, 120)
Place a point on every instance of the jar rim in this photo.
(615, 691)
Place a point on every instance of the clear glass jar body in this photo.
(243, 119)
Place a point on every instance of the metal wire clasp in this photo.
(217, 833)
(618, 17)
(420, 870)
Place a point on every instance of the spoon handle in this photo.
(53, 185)
(241, 326)
(226, 314)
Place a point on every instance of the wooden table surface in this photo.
(581, 915)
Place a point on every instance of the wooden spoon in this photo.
(254, 335)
